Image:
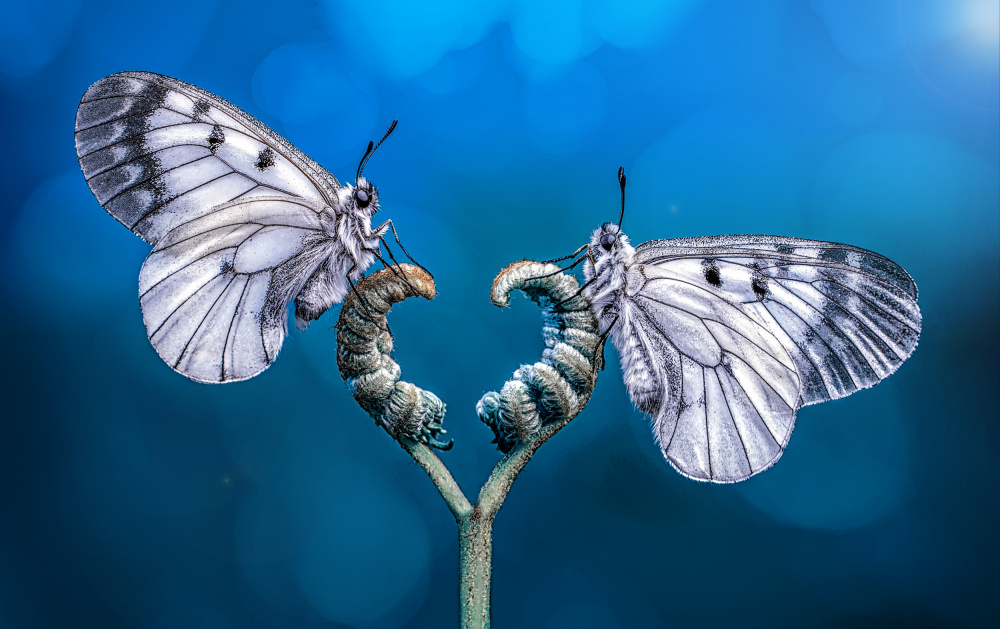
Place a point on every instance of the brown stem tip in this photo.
(364, 344)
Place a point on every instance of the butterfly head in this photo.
(363, 196)
(609, 255)
(608, 244)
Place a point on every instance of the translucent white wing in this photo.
(762, 326)
(727, 388)
(157, 152)
(848, 316)
(213, 291)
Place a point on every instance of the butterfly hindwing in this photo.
(729, 388)
(157, 152)
(213, 291)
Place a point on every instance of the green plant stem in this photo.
(475, 561)
(440, 476)
(475, 522)
(496, 488)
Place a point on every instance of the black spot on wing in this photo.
(758, 281)
(202, 107)
(265, 159)
(711, 271)
(727, 364)
(759, 286)
(216, 138)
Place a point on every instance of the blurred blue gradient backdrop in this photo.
(132, 497)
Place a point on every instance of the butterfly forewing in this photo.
(757, 327)
(157, 151)
(847, 316)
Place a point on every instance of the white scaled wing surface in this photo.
(739, 332)
(213, 291)
(239, 218)
(157, 151)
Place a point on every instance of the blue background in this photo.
(130, 497)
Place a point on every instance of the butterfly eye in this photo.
(607, 240)
(362, 197)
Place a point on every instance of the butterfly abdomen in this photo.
(645, 360)
(324, 288)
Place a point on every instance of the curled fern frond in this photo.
(363, 347)
(558, 387)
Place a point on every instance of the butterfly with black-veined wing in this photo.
(723, 338)
(242, 222)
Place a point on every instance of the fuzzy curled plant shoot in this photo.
(539, 400)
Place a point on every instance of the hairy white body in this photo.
(642, 375)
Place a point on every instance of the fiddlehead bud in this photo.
(558, 387)
(363, 347)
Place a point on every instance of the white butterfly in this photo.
(723, 338)
(242, 222)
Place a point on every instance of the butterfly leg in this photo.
(577, 293)
(576, 262)
(388, 251)
(368, 308)
(604, 336)
(399, 272)
(572, 255)
(395, 268)
(396, 236)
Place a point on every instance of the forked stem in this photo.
(413, 416)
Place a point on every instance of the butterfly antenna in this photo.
(364, 159)
(621, 182)
(372, 148)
